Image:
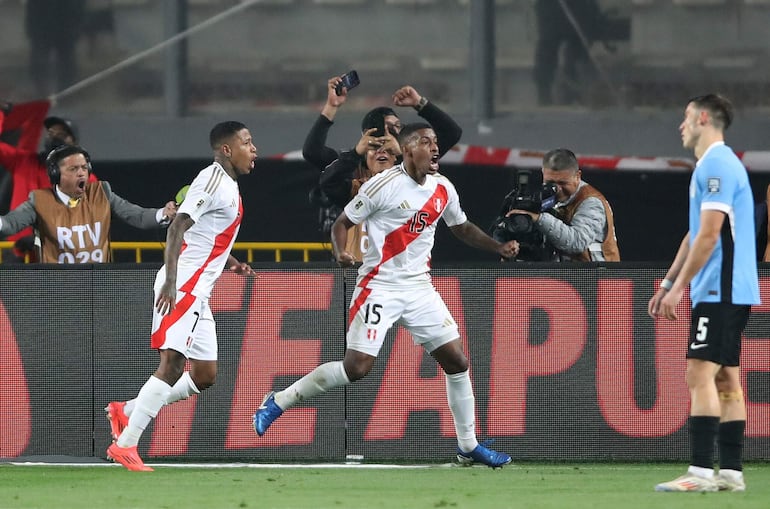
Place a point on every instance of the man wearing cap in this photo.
(25, 164)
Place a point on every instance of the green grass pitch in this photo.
(524, 485)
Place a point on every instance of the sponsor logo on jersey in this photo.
(358, 204)
(713, 185)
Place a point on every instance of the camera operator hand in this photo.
(534, 215)
(508, 249)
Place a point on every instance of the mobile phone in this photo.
(380, 127)
(349, 80)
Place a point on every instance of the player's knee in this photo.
(457, 362)
(451, 358)
(204, 381)
(456, 366)
(356, 371)
(727, 383)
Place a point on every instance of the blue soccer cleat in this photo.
(267, 412)
(481, 454)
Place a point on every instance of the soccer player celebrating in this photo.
(401, 207)
(197, 249)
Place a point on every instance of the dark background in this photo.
(650, 207)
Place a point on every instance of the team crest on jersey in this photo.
(438, 204)
(371, 334)
(713, 185)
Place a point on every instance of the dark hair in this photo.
(410, 129)
(376, 117)
(719, 107)
(560, 159)
(63, 151)
(223, 131)
(58, 154)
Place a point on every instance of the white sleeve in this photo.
(198, 201)
(454, 213)
(361, 206)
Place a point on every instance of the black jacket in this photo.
(336, 179)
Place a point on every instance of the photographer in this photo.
(580, 226)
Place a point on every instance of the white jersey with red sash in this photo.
(214, 203)
(401, 217)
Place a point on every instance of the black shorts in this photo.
(715, 332)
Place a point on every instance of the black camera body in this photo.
(532, 196)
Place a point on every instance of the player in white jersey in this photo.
(197, 248)
(401, 207)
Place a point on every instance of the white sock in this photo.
(151, 398)
(323, 378)
(182, 389)
(706, 473)
(459, 395)
(733, 475)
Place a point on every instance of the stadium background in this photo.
(566, 365)
(146, 126)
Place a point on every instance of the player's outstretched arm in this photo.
(242, 268)
(475, 237)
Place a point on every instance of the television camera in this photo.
(531, 194)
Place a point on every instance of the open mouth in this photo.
(82, 185)
(434, 163)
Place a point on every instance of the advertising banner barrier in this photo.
(565, 362)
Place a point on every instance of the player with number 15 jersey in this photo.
(401, 218)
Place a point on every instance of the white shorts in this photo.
(189, 328)
(421, 311)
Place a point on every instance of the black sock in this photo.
(731, 444)
(703, 432)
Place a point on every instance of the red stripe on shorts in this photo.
(159, 336)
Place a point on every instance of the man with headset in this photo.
(72, 218)
(23, 162)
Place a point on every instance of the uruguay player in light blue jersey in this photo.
(717, 259)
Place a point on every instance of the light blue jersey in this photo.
(720, 182)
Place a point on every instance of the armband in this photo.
(666, 284)
(421, 104)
